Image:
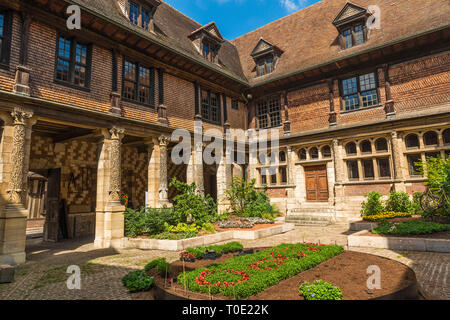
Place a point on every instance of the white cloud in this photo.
(293, 5)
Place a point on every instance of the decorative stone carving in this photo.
(163, 184)
(20, 118)
(115, 164)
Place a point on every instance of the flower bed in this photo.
(244, 276)
(387, 215)
(243, 223)
(199, 252)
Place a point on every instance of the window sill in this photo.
(378, 106)
(316, 161)
(365, 182)
(152, 107)
(72, 86)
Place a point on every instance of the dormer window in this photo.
(265, 56)
(141, 12)
(351, 24)
(208, 41)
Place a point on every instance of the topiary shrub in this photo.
(137, 281)
(373, 205)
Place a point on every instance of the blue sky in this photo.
(237, 17)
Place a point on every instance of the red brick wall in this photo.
(362, 190)
(7, 76)
(277, 193)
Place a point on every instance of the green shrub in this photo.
(174, 236)
(199, 252)
(152, 264)
(147, 221)
(410, 228)
(247, 275)
(398, 202)
(416, 207)
(137, 281)
(160, 264)
(189, 205)
(247, 201)
(181, 228)
(373, 205)
(320, 290)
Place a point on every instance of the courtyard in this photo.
(44, 275)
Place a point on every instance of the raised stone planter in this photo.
(398, 243)
(362, 225)
(6, 273)
(178, 245)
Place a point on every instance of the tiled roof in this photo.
(308, 37)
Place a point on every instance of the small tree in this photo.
(398, 202)
(247, 201)
(189, 203)
(373, 205)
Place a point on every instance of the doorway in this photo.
(316, 183)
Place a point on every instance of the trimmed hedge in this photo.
(199, 252)
(411, 227)
(245, 276)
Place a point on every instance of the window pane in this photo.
(359, 34)
(368, 169)
(369, 98)
(81, 54)
(367, 82)
(261, 68)
(205, 105)
(62, 70)
(326, 152)
(412, 141)
(432, 155)
(350, 148)
(430, 138)
(273, 179)
(314, 153)
(351, 102)
(366, 146)
(384, 168)
(144, 76)
(144, 94)
(412, 160)
(349, 86)
(134, 13)
(381, 145)
(145, 19)
(263, 122)
(263, 176)
(348, 38)
(214, 108)
(353, 173)
(205, 50)
(269, 64)
(129, 91)
(302, 154)
(234, 104)
(446, 136)
(275, 119)
(283, 173)
(2, 24)
(64, 48)
(130, 71)
(80, 75)
(282, 157)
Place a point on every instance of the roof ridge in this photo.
(279, 19)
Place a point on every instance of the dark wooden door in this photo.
(51, 232)
(316, 183)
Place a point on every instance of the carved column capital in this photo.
(116, 133)
(20, 116)
(164, 140)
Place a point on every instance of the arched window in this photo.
(446, 136)
(430, 138)
(366, 146)
(350, 148)
(302, 154)
(412, 141)
(282, 156)
(326, 152)
(381, 144)
(314, 153)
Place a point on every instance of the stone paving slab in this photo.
(32, 282)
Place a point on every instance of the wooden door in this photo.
(51, 230)
(316, 183)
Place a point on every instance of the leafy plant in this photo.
(147, 221)
(398, 202)
(245, 276)
(160, 264)
(410, 227)
(373, 205)
(320, 290)
(247, 201)
(137, 281)
(181, 228)
(190, 205)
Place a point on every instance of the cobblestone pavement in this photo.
(44, 275)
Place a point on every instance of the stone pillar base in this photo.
(13, 226)
(400, 187)
(114, 227)
(223, 207)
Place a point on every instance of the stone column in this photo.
(109, 216)
(15, 146)
(224, 177)
(163, 185)
(153, 174)
(198, 172)
(396, 152)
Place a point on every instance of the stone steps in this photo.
(311, 216)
